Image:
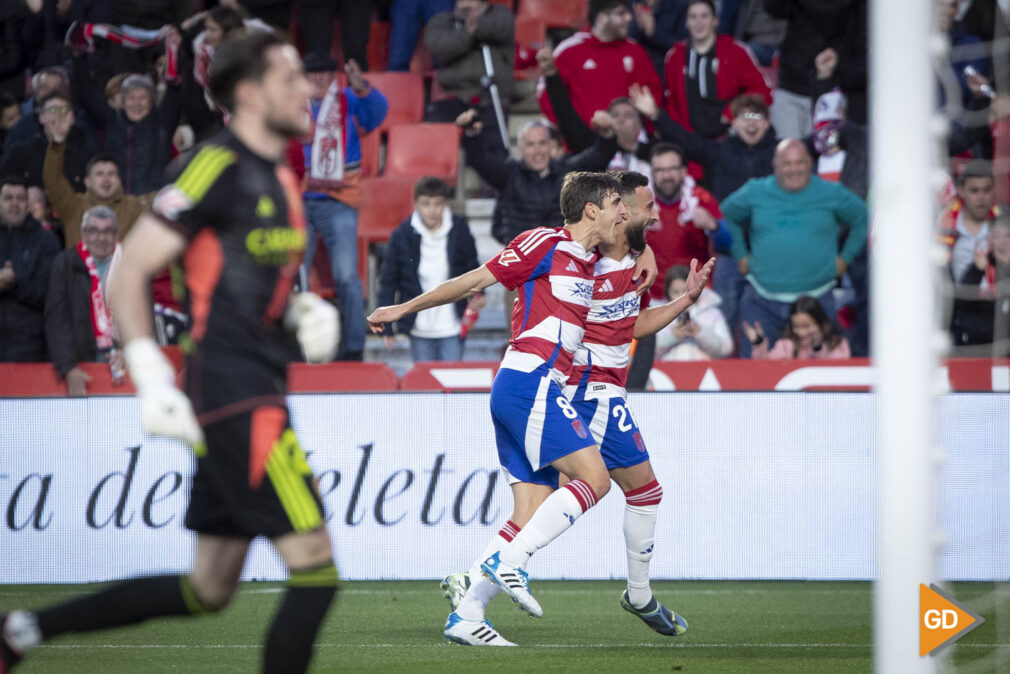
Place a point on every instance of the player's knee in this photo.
(647, 495)
(600, 485)
(208, 595)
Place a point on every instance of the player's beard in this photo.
(286, 128)
(636, 237)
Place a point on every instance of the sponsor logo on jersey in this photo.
(598, 387)
(274, 245)
(573, 267)
(607, 287)
(618, 309)
(507, 257)
(583, 290)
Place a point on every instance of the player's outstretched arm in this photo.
(654, 319)
(164, 410)
(450, 291)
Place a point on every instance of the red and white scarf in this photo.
(328, 142)
(101, 317)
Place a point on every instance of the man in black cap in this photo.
(332, 172)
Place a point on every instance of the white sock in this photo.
(501, 539)
(480, 594)
(640, 511)
(552, 518)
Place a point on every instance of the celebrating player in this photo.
(234, 216)
(596, 388)
(537, 431)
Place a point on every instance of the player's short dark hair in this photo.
(978, 168)
(583, 187)
(710, 3)
(748, 103)
(629, 181)
(99, 159)
(226, 17)
(597, 6)
(240, 56)
(430, 186)
(17, 181)
(667, 148)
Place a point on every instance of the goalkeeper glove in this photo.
(316, 324)
(164, 409)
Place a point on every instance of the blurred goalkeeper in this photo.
(233, 215)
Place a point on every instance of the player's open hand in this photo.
(164, 409)
(378, 318)
(697, 278)
(316, 324)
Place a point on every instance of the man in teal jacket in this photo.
(793, 220)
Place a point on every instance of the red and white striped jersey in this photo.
(554, 276)
(610, 326)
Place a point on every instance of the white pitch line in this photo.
(646, 645)
(548, 591)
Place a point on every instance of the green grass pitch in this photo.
(397, 627)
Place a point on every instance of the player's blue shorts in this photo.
(534, 424)
(611, 424)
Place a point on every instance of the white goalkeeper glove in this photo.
(164, 409)
(316, 324)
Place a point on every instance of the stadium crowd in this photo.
(748, 116)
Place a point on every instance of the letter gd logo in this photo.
(942, 620)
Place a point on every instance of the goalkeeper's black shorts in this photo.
(252, 479)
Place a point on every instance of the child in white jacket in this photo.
(701, 333)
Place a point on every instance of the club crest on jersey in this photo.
(507, 257)
(580, 429)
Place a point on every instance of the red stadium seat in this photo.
(416, 150)
(371, 154)
(531, 35)
(556, 13)
(405, 93)
(385, 202)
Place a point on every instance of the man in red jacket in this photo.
(688, 214)
(706, 71)
(601, 65)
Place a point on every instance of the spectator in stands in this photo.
(598, 66)
(316, 26)
(749, 22)
(809, 333)
(700, 333)
(38, 208)
(44, 83)
(332, 171)
(408, 17)
(277, 13)
(657, 25)
(964, 223)
(980, 324)
(431, 246)
(26, 256)
(10, 114)
(102, 184)
(813, 26)
(26, 158)
(688, 215)
(707, 71)
(455, 39)
(729, 163)
(793, 221)
(633, 144)
(529, 187)
(79, 327)
(847, 70)
(839, 148)
(946, 11)
(139, 135)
